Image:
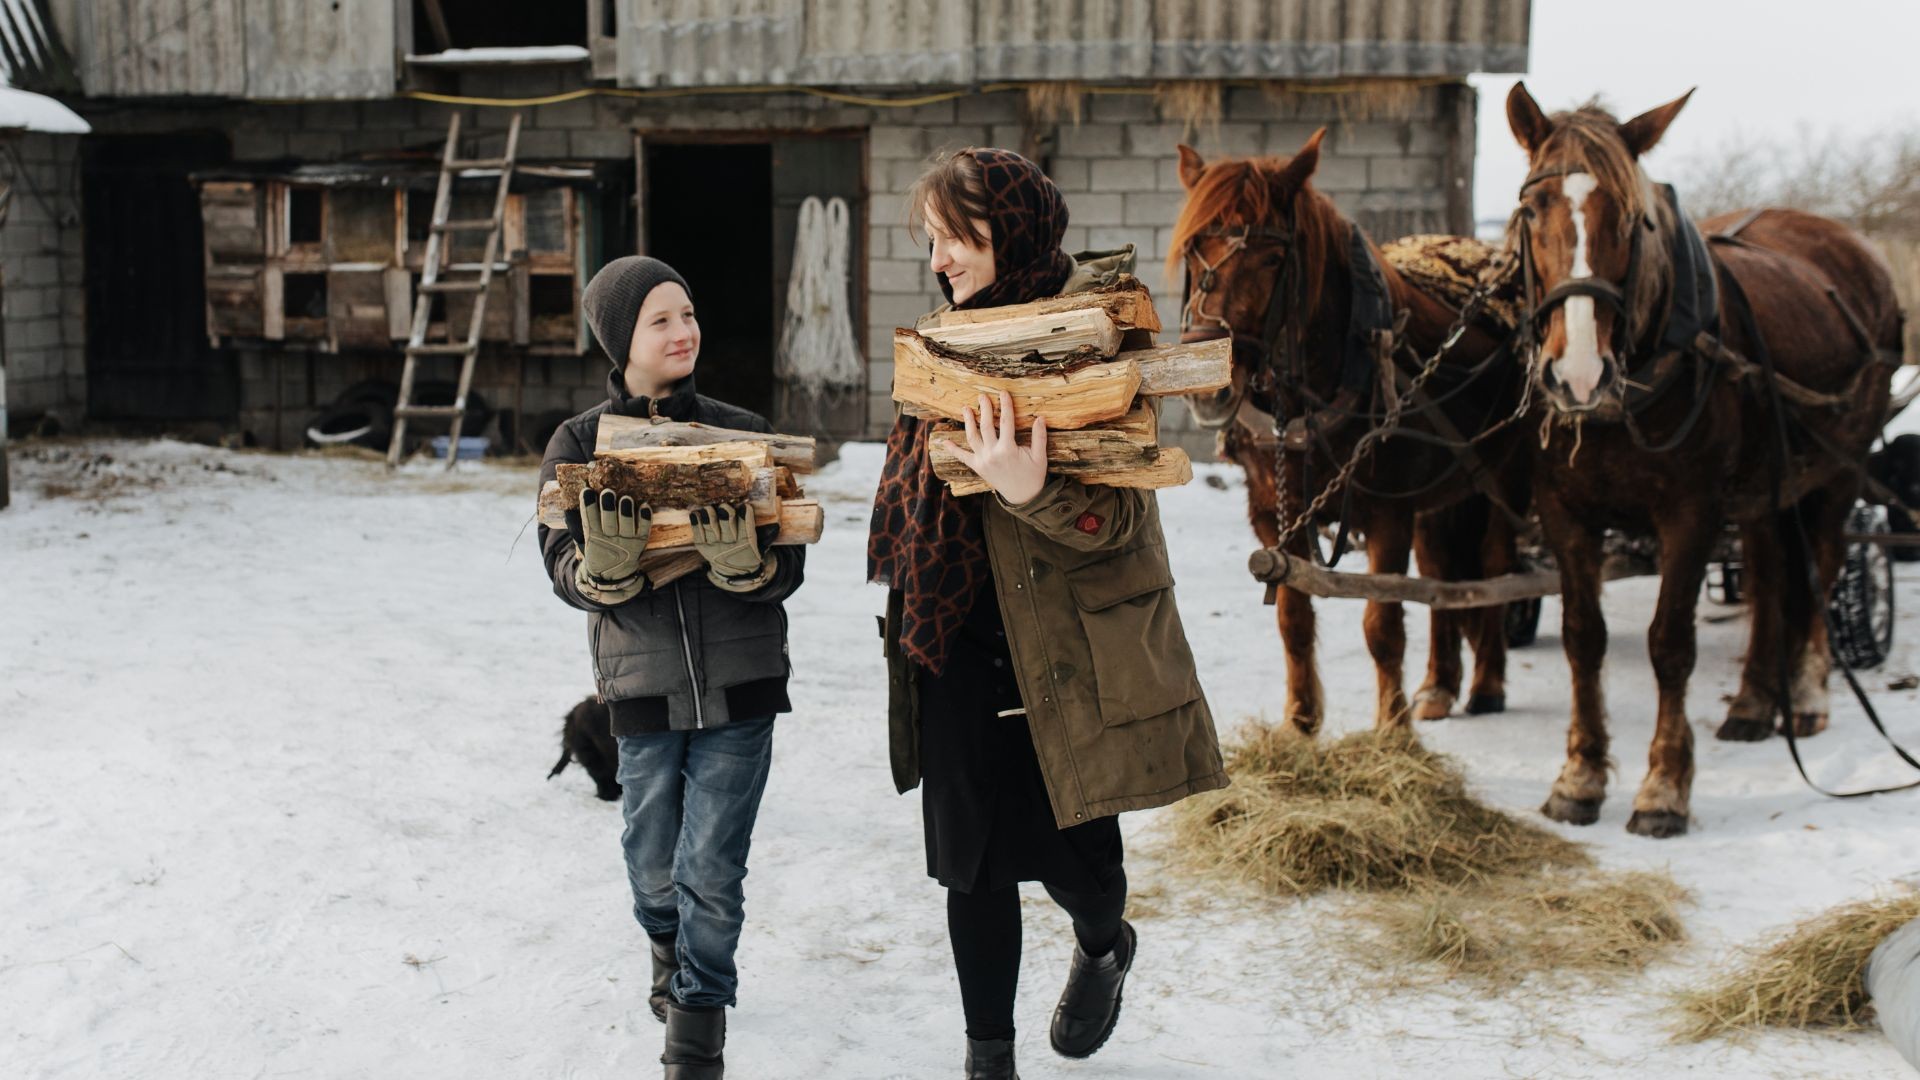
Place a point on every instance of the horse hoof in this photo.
(1739, 730)
(1432, 705)
(1572, 811)
(1305, 725)
(1482, 704)
(1659, 824)
(1806, 725)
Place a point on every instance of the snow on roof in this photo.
(522, 54)
(22, 41)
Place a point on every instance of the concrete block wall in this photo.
(1117, 167)
(45, 291)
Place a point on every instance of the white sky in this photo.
(1766, 68)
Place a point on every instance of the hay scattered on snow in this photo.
(1371, 811)
(1446, 878)
(1808, 976)
(1554, 924)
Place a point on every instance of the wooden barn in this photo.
(237, 241)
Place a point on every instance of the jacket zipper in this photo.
(686, 650)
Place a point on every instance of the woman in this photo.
(1040, 679)
(692, 671)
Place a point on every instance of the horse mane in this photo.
(1587, 139)
(1248, 191)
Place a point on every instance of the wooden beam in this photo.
(634, 432)
(1198, 367)
(1052, 336)
(1169, 467)
(1127, 303)
(930, 384)
(1276, 567)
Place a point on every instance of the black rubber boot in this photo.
(665, 963)
(990, 1059)
(695, 1037)
(1090, 1005)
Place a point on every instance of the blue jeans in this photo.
(690, 799)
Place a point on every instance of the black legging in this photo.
(984, 927)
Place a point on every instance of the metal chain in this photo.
(1364, 448)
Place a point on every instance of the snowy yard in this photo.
(274, 734)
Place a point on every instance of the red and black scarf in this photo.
(926, 542)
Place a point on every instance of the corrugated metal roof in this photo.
(899, 43)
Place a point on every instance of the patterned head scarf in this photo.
(924, 541)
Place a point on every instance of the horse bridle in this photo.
(1278, 344)
(1532, 332)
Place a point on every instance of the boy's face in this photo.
(967, 263)
(666, 339)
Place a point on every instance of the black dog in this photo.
(587, 737)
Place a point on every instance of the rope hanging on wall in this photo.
(817, 349)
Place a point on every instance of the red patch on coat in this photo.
(1089, 523)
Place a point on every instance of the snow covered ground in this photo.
(274, 734)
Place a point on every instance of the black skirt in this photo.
(989, 822)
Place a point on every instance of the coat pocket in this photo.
(1142, 664)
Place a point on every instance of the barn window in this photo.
(306, 216)
(305, 296)
(480, 24)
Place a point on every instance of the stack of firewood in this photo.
(673, 467)
(1086, 362)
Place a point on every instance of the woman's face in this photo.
(666, 340)
(967, 264)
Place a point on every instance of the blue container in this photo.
(471, 446)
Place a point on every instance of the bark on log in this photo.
(1276, 567)
(634, 432)
(801, 520)
(929, 384)
(1127, 303)
(1199, 367)
(637, 480)
(1169, 467)
(1052, 336)
(1129, 442)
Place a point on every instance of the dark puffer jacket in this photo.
(690, 655)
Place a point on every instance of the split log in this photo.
(801, 520)
(1276, 567)
(666, 567)
(761, 491)
(1052, 336)
(1124, 443)
(1198, 367)
(634, 432)
(1168, 467)
(1127, 303)
(931, 380)
(751, 454)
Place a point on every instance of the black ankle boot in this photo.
(665, 963)
(990, 1059)
(1090, 1004)
(695, 1037)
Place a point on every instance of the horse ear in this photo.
(1305, 160)
(1191, 166)
(1643, 131)
(1528, 121)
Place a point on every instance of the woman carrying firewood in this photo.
(693, 670)
(1040, 681)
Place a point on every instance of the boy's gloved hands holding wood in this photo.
(611, 539)
(725, 536)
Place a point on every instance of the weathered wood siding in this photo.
(309, 49)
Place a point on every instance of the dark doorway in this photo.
(148, 357)
(709, 214)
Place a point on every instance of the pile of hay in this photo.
(1371, 811)
(1809, 976)
(1448, 879)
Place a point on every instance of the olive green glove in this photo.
(724, 537)
(613, 536)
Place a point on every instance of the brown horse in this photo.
(1311, 306)
(1652, 427)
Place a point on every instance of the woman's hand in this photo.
(1016, 472)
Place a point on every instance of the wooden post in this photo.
(5, 484)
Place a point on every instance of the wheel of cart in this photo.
(1861, 603)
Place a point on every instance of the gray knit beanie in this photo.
(614, 296)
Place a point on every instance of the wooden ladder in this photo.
(452, 166)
